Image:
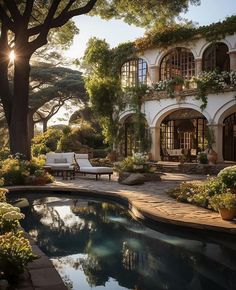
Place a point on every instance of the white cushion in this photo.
(51, 156)
(82, 160)
(96, 170)
(59, 165)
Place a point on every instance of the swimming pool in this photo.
(98, 245)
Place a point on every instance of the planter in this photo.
(227, 214)
(40, 180)
(178, 88)
(211, 157)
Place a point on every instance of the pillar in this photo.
(154, 74)
(198, 66)
(218, 146)
(156, 143)
(232, 57)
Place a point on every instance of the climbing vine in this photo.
(175, 33)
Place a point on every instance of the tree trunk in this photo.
(18, 127)
(45, 125)
(30, 125)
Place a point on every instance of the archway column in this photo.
(232, 56)
(156, 143)
(154, 74)
(198, 65)
(218, 146)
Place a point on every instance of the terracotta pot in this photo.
(40, 180)
(227, 214)
(178, 88)
(212, 157)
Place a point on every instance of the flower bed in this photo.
(213, 193)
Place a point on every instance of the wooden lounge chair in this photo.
(85, 167)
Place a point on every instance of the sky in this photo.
(116, 31)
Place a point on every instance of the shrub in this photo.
(3, 192)
(184, 191)
(134, 163)
(9, 218)
(14, 171)
(202, 158)
(224, 200)
(228, 176)
(15, 254)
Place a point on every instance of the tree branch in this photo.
(64, 16)
(6, 19)
(28, 10)
(12, 7)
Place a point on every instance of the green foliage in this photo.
(225, 200)
(199, 194)
(228, 177)
(3, 193)
(210, 137)
(202, 158)
(9, 218)
(135, 163)
(146, 14)
(15, 254)
(173, 33)
(46, 142)
(14, 171)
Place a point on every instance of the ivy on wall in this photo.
(176, 33)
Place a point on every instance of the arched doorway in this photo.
(229, 138)
(135, 136)
(184, 129)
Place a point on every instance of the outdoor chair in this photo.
(85, 167)
(61, 163)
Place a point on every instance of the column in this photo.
(232, 57)
(218, 146)
(156, 144)
(154, 74)
(198, 65)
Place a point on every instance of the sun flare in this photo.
(12, 56)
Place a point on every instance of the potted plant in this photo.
(40, 177)
(225, 203)
(178, 83)
(211, 154)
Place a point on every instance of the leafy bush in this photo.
(198, 193)
(224, 200)
(3, 192)
(202, 158)
(14, 171)
(133, 164)
(9, 218)
(228, 177)
(46, 142)
(15, 254)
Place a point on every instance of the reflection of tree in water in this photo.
(111, 247)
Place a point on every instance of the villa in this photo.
(180, 120)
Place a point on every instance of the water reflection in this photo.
(97, 245)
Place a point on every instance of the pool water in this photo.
(98, 245)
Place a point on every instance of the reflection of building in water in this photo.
(133, 259)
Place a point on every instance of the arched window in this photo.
(216, 57)
(134, 72)
(179, 61)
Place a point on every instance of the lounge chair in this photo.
(61, 163)
(85, 167)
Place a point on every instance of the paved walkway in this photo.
(151, 200)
